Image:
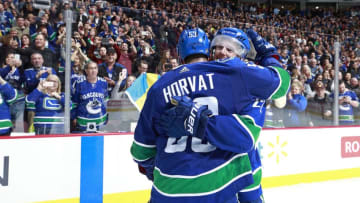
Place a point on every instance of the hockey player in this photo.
(7, 96)
(89, 100)
(231, 42)
(185, 164)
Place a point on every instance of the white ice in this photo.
(339, 191)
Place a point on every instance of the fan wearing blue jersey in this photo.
(231, 42)
(45, 106)
(190, 168)
(12, 74)
(89, 101)
(36, 73)
(7, 96)
(347, 102)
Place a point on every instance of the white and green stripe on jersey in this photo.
(82, 121)
(142, 152)
(284, 84)
(203, 184)
(5, 124)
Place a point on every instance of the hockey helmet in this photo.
(193, 41)
(234, 39)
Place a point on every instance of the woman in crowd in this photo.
(119, 91)
(296, 105)
(46, 107)
(25, 41)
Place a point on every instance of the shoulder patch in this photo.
(184, 69)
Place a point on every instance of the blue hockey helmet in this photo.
(234, 39)
(193, 41)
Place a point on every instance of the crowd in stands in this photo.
(127, 38)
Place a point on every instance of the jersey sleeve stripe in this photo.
(250, 126)
(284, 83)
(142, 152)
(5, 124)
(12, 100)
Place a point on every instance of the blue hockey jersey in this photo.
(189, 169)
(244, 125)
(89, 102)
(346, 111)
(31, 81)
(15, 79)
(8, 96)
(48, 110)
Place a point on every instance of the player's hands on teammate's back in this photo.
(185, 118)
(263, 48)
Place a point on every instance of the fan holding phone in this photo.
(46, 107)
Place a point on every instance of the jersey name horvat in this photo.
(189, 84)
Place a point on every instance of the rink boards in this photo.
(99, 168)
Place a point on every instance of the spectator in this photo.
(126, 55)
(319, 106)
(7, 97)
(49, 57)
(45, 106)
(143, 67)
(354, 69)
(110, 70)
(97, 52)
(354, 86)
(36, 73)
(296, 105)
(327, 80)
(315, 69)
(20, 27)
(174, 62)
(82, 17)
(274, 117)
(11, 45)
(25, 41)
(347, 79)
(89, 98)
(118, 91)
(165, 59)
(61, 34)
(14, 76)
(306, 79)
(6, 19)
(348, 101)
(81, 56)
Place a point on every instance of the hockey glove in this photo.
(263, 48)
(147, 168)
(185, 118)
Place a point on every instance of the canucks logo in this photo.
(94, 106)
(51, 104)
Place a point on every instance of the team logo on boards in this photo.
(277, 149)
